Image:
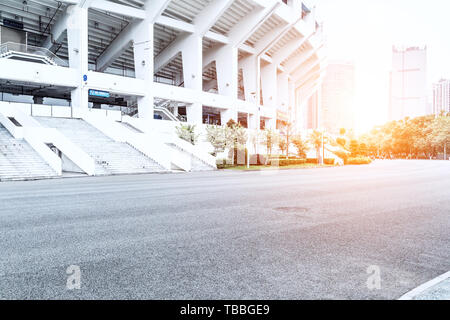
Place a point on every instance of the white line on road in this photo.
(420, 289)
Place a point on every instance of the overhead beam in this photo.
(120, 9)
(175, 24)
(209, 15)
(57, 31)
(289, 48)
(121, 43)
(293, 63)
(242, 31)
(202, 23)
(306, 69)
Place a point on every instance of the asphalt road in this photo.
(288, 234)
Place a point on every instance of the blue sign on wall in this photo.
(98, 93)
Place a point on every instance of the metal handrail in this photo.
(40, 51)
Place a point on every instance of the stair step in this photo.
(111, 157)
(19, 161)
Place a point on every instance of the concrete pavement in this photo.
(354, 232)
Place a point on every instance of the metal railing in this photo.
(19, 48)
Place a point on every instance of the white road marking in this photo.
(420, 289)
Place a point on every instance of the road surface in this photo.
(288, 234)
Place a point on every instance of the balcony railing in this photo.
(24, 51)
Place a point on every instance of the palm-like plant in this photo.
(187, 133)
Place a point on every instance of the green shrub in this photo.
(329, 161)
(342, 154)
(286, 162)
(359, 160)
(312, 160)
(277, 156)
(221, 163)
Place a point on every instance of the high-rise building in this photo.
(408, 83)
(338, 92)
(441, 96)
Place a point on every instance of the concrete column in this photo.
(192, 74)
(269, 85)
(194, 113)
(283, 91)
(143, 65)
(251, 79)
(250, 67)
(227, 79)
(77, 37)
(253, 121)
(227, 71)
(292, 105)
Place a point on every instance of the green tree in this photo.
(301, 146)
(441, 134)
(354, 148)
(315, 139)
(282, 145)
(236, 137)
(217, 136)
(187, 133)
(270, 138)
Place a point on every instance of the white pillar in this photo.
(269, 85)
(253, 121)
(250, 68)
(193, 75)
(77, 38)
(143, 65)
(227, 79)
(283, 91)
(227, 71)
(292, 106)
(251, 79)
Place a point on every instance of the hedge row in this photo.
(286, 162)
(280, 156)
(359, 160)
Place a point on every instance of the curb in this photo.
(423, 287)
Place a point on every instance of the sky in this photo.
(363, 31)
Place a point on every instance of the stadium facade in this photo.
(86, 84)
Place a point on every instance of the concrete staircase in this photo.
(196, 163)
(18, 160)
(111, 157)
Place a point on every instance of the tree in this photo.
(270, 139)
(354, 147)
(363, 149)
(341, 141)
(187, 133)
(236, 136)
(315, 139)
(282, 145)
(441, 134)
(287, 133)
(255, 137)
(300, 145)
(217, 136)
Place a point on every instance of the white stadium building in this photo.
(99, 86)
